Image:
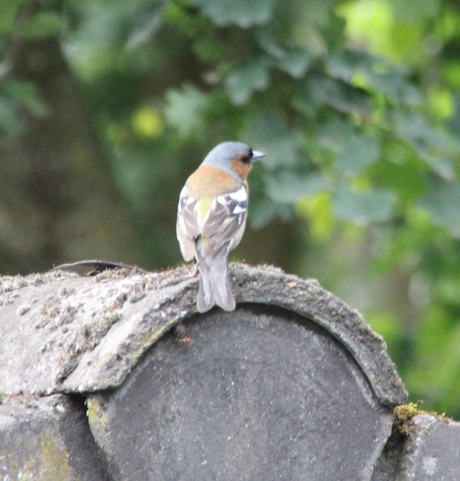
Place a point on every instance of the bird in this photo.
(211, 219)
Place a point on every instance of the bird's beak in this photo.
(257, 155)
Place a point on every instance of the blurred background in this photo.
(106, 106)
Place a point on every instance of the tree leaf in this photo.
(358, 151)
(8, 13)
(271, 134)
(434, 147)
(26, 95)
(243, 14)
(145, 25)
(242, 82)
(296, 63)
(10, 122)
(363, 207)
(339, 95)
(263, 210)
(413, 12)
(442, 202)
(43, 24)
(374, 73)
(333, 134)
(287, 187)
(184, 110)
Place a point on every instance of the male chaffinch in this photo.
(211, 218)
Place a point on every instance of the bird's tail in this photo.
(214, 286)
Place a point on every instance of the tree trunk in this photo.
(58, 202)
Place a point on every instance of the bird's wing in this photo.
(188, 225)
(224, 222)
(211, 222)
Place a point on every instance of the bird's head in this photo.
(233, 157)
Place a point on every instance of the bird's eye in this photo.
(246, 159)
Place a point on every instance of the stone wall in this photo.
(116, 377)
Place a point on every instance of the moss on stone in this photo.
(54, 460)
(404, 415)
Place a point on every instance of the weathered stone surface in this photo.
(58, 323)
(433, 450)
(259, 394)
(293, 385)
(67, 333)
(47, 439)
(388, 465)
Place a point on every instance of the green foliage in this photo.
(17, 96)
(8, 11)
(184, 111)
(442, 201)
(245, 14)
(43, 24)
(356, 103)
(363, 207)
(242, 82)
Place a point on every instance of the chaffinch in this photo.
(211, 218)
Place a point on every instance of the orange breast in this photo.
(208, 181)
(241, 168)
